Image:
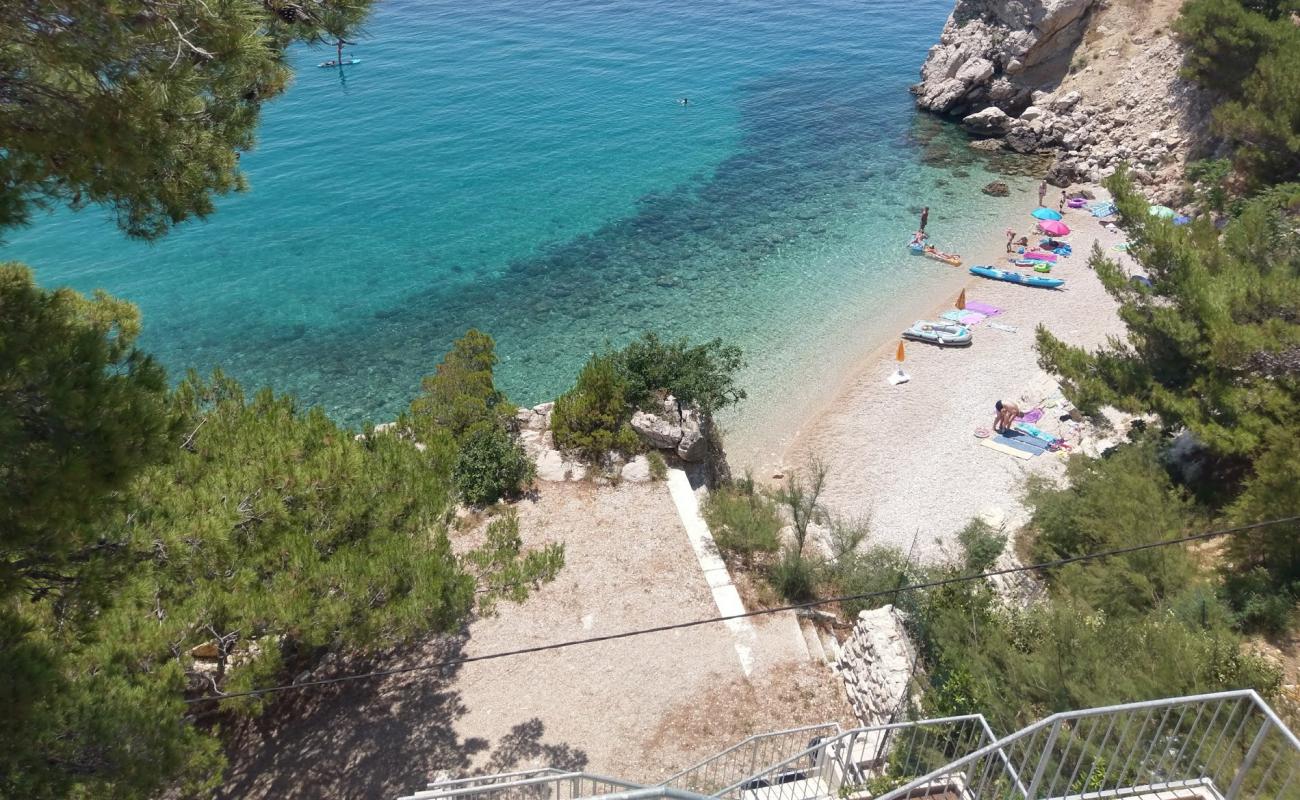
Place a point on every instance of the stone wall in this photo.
(876, 665)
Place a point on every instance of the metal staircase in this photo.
(1223, 746)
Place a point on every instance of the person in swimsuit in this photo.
(925, 217)
(1042, 192)
(1006, 416)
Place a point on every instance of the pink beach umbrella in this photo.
(1053, 227)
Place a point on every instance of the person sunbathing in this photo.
(934, 251)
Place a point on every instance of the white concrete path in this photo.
(715, 570)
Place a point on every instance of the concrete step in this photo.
(814, 641)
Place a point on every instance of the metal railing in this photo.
(545, 783)
(856, 758)
(1227, 745)
(745, 759)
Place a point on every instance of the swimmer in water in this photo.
(686, 101)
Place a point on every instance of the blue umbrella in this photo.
(1182, 219)
(1045, 213)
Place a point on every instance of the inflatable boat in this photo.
(944, 334)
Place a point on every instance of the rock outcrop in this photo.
(1113, 96)
(996, 53)
(685, 434)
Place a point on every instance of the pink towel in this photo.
(1032, 415)
(983, 308)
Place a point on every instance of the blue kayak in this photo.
(1016, 277)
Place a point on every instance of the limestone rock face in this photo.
(998, 52)
(656, 431)
(694, 444)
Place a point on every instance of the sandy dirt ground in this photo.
(907, 456)
(637, 708)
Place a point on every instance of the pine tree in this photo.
(140, 105)
(1213, 348)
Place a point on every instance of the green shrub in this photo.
(744, 522)
(592, 418)
(492, 464)
(879, 569)
(981, 545)
(462, 392)
(658, 467)
(794, 576)
(1259, 603)
(1249, 54)
(703, 375)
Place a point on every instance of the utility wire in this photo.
(453, 662)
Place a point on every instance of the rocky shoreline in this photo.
(1096, 84)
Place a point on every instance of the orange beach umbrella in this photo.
(961, 300)
(900, 355)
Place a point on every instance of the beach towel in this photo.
(1017, 444)
(1023, 440)
(1032, 415)
(983, 308)
(1007, 328)
(1103, 209)
(1036, 432)
(963, 317)
(1005, 449)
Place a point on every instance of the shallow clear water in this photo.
(525, 168)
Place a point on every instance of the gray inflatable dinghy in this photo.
(944, 334)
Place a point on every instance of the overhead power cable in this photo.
(454, 662)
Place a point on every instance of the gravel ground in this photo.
(906, 455)
(607, 707)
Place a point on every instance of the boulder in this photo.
(990, 120)
(977, 70)
(1061, 174)
(988, 145)
(997, 189)
(1032, 113)
(1066, 101)
(637, 470)
(553, 467)
(656, 431)
(1023, 139)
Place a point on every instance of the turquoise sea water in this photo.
(525, 168)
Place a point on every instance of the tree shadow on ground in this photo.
(380, 738)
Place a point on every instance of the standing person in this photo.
(1006, 416)
(1061, 208)
(1011, 236)
(925, 217)
(338, 44)
(1042, 192)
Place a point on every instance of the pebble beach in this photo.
(906, 456)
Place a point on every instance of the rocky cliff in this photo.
(1095, 82)
(999, 52)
